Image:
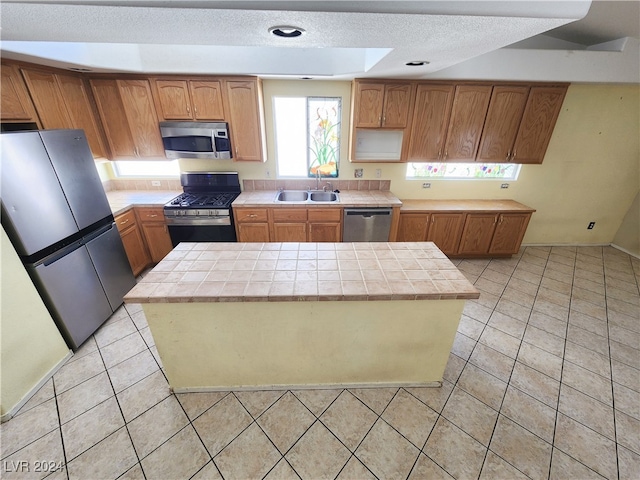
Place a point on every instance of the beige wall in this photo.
(31, 346)
(591, 171)
(628, 235)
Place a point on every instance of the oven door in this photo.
(200, 230)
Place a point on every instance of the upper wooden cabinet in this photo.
(246, 119)
(538, 121)
(63, 101)
(188, 99)
(381, 105)
(470, 104)
(129, 118)
(430, 119)
(15, 103)
(502, 122)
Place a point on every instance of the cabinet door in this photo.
(158, 240)
(155, 232)
(253, 232)
(413, 227)
(509, 233)
(15, 103)
(430, 119)
(77, 99)
(114, 119)
(290, 232)
(325, 232)
(539, 119)
(445, 230)
(207, 100)
(244, 120)
(469, 110)
(502, 122)
(369, 98)
(477, 233)
(395, 110)
(173, 99)
(135, 248)
(142, 119)
(47, 98)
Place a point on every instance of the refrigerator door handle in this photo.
(63, 252)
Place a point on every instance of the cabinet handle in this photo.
(126, 221)
(253, 215)
(513, 155)
(501, 218)
(508, 156)
(188, 110)
(152, 216)
(195, 110)
(446, 154)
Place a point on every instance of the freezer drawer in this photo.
(112, 266)
(70, 287)
(366, 224)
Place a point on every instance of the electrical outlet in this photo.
(504, 185)
(267, 173)
(426, 185)
(591, 225)
(378, 172)
(358, 172)
(155, 183)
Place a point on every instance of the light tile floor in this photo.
(543, 382)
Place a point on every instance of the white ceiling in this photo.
(343, 39)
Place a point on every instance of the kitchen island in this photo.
(230, 316)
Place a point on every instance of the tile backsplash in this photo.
(252, 185)
(142, 184)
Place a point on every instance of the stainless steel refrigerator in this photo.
(56, 213)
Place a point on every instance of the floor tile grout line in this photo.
(115, 395)
(508, 382)
(64, 451)
(557, 409)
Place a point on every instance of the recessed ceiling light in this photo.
(286, 31)
(417, 63)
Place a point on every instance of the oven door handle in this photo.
(222, 220)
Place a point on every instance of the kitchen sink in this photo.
(306, 196)
(292, 196)
(323, 197)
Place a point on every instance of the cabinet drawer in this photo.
(289, 214)
(126, 220)
(150, 214)
(324, 214)
(245, 215)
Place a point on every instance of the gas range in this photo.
(206, 199)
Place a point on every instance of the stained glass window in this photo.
(451, 170)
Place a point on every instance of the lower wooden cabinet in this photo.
(325, 225)
(466, 233)
(145, 236)
(252, 224)
(155, 231)
(133, 241)
(510, 230)
(288, 224)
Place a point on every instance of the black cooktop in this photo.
(203, 200)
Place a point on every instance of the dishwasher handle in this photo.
(367, 212)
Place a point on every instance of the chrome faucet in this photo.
(330, 185)
(317, 179)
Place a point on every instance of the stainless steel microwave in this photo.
(196, 140)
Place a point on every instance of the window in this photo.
(147, 168)
(307, 131)
(461, 171)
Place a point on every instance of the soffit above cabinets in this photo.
(342, 40)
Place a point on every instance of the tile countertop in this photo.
(464, 205)
(347, 198)
(282, 272)
(122, 200)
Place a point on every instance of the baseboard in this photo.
(617, 247)
(628, 252)
(16, 408)
(305, 386)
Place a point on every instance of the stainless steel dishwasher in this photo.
(366, 224)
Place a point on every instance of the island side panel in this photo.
(236, 345)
